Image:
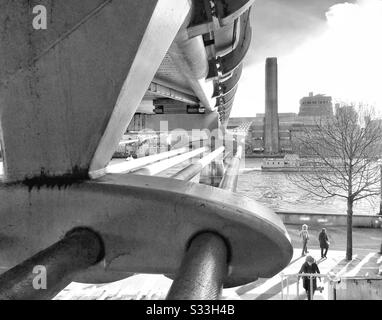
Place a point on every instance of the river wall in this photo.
(315, 219)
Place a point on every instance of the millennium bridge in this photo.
(67, 93)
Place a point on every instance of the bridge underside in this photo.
(67, 95)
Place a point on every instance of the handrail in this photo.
(128, 166)
(229, 181)
(320, 275)
(158, 167)
(192, 170)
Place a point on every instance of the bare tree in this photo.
(341, 157)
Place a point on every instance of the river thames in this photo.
(276, 191)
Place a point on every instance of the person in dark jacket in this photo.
(310, 286)
(324, 242)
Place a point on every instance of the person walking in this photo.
(309, 282)
(324, 242)
(304, 234)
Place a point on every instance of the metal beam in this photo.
(226, 11)
(156, 168)
(194, 169)
(190, 57)
(128, 166)
(222, 66)
(51, 270)
(203, 270)
(226, 99)
(166, 92)
(168, 18)
(229, 181)
(223, 87)
(229, 10)
(69, 91)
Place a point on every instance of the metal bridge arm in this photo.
(203, 270)
(79, 249)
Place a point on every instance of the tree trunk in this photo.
(349, 233)
(380, 200)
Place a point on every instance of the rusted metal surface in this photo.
(203, 270)
(51, 270)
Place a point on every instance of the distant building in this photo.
(345, 109)
(317, 105)
(290, 125)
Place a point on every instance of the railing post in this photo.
(282, 286)
(230, 178)
(287, 284)
(235, 144)
(78, 250)
(298, 287)
(213, 165)
(203, 269)
(169, 141)
(193, 170)
(158, 143)
(311, 287)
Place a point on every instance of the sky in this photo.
(323, 46)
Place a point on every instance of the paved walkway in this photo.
(366, 262)
(155, 287)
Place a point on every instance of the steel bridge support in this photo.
(203, 269)
(51, 270)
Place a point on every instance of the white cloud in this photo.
(344, 61)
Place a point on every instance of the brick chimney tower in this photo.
(271, 125)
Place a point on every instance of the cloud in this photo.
(342, 58)
(279, 26)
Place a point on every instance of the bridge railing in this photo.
(333, 286)
(288, 281)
